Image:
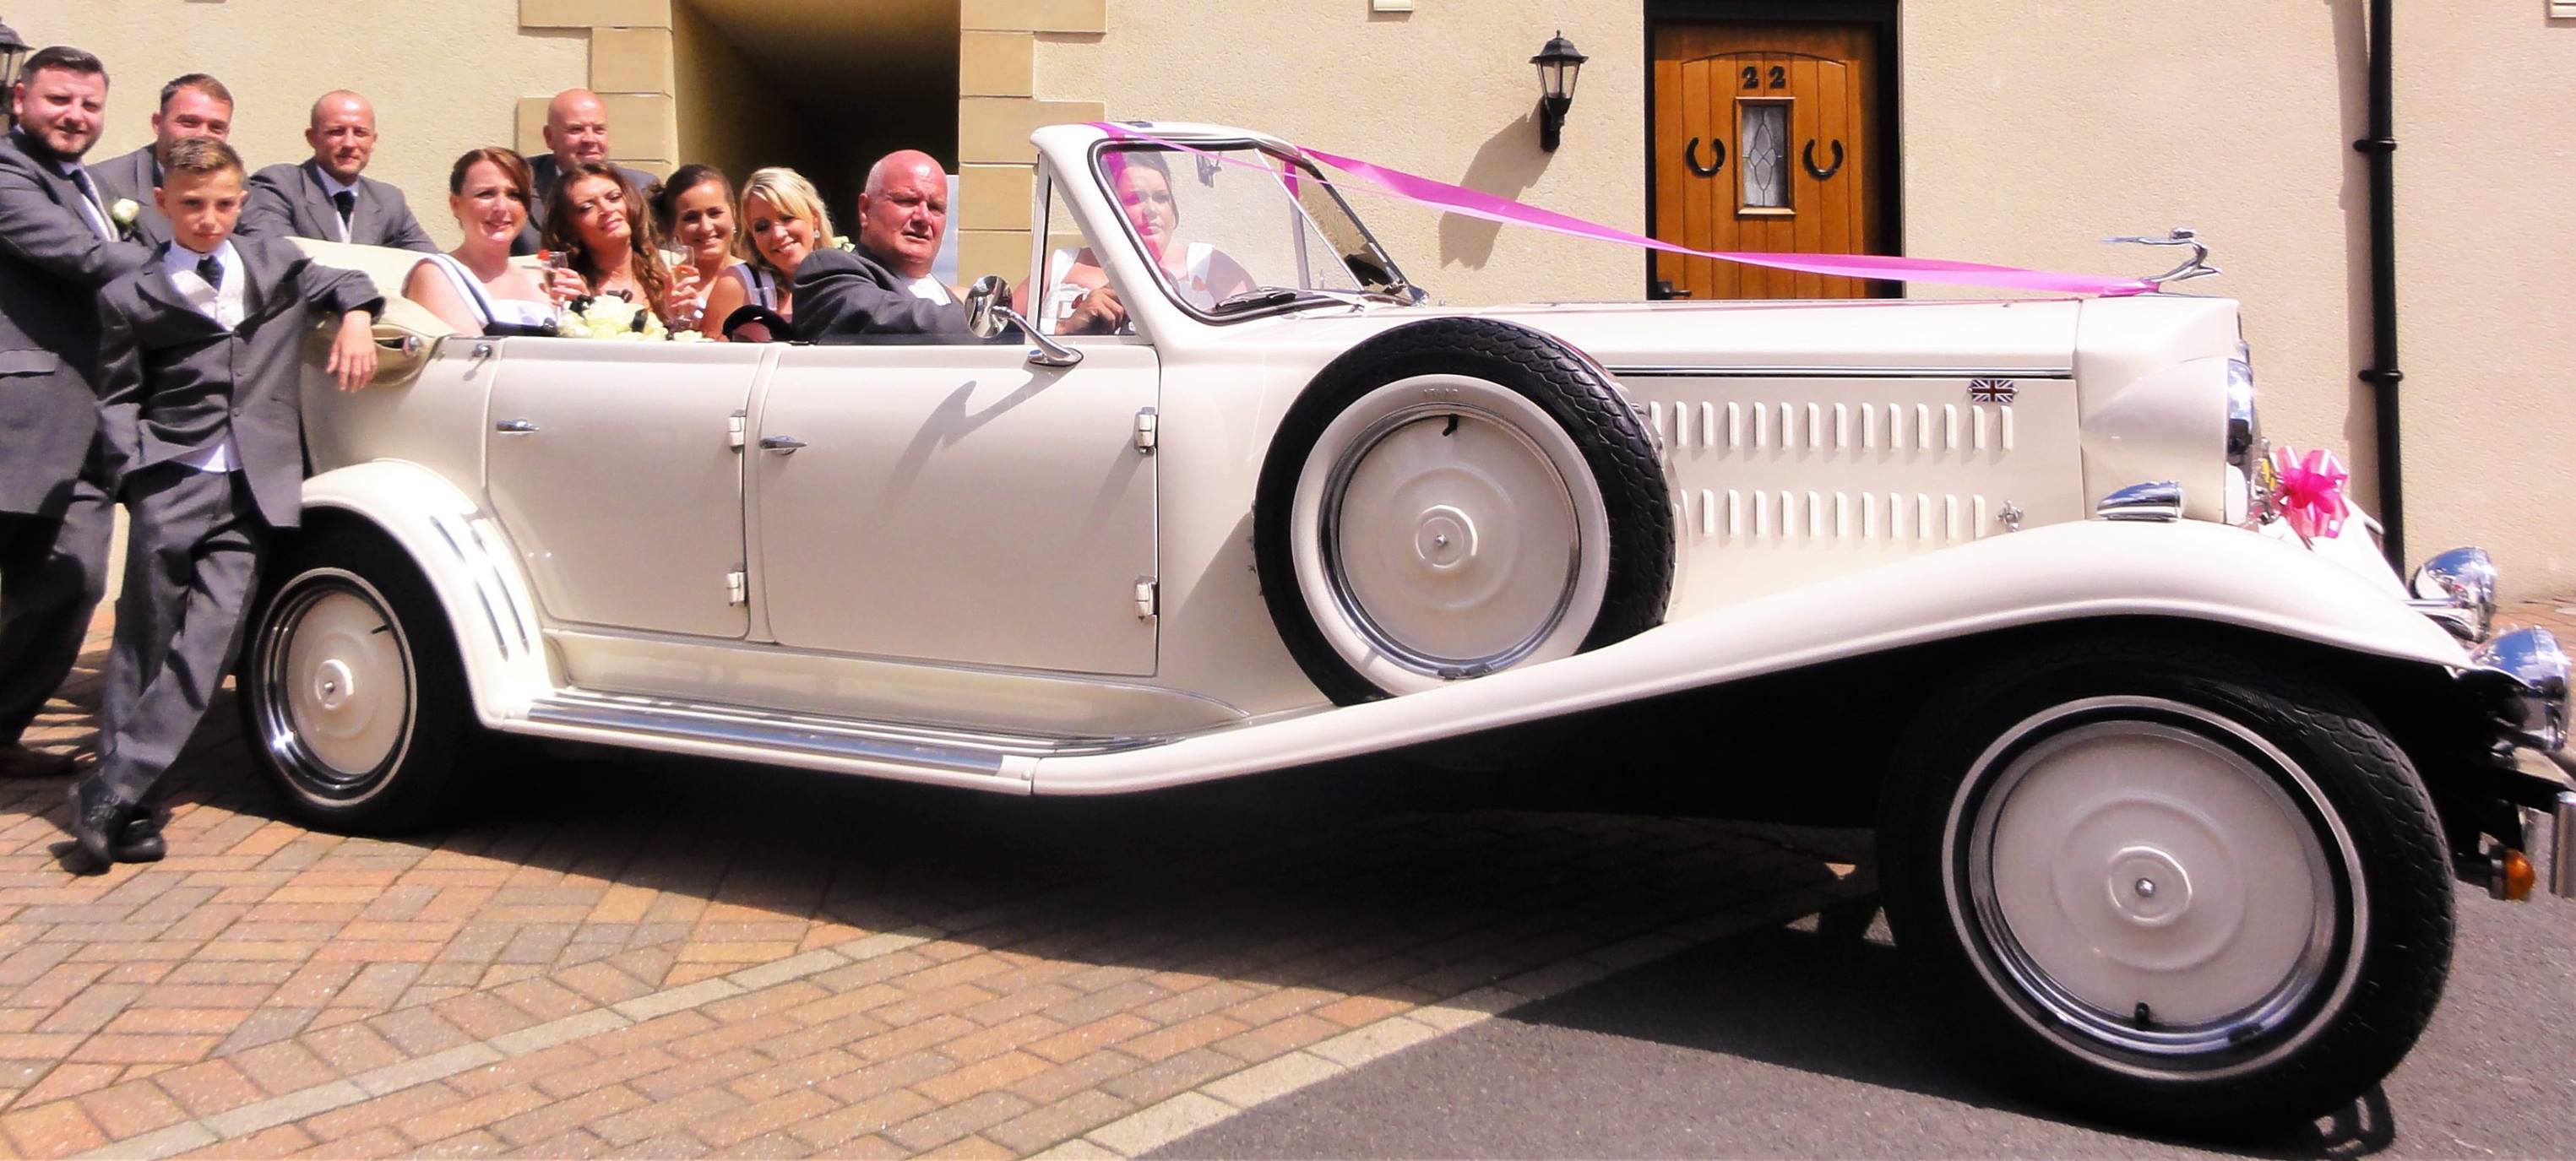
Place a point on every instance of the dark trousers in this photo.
(52, 571)
(192, 560)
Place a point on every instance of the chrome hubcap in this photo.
(2147, 884)
(1451, 539)
(336, 694)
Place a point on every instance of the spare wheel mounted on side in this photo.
(1456, 497)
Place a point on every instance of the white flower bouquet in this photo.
(608, 316)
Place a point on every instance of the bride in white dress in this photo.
(476, 288)
(1200, 274)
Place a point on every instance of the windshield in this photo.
(1233, 230)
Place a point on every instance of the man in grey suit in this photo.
(201, 357)
(576, 132)
(328, 196)
(195, 105)
(57, 248)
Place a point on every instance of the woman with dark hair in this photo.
(694, 212)
(596, 227)
(1199, 274)
(475, 288)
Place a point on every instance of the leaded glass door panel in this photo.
(1765, 140)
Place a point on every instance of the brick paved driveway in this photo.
(671, 959)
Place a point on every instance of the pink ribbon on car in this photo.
(2310, 491)
(1374, 178)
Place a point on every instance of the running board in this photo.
(897, 749)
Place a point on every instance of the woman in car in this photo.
(694, 215)
(783, 220)
(475, 288)
(1199, 274)
(596, 227)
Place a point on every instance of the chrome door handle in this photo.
(785, 445)
(515, 427)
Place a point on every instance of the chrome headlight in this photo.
(2248, 489)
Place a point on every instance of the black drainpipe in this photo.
(2380, 148)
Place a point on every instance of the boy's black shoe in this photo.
(141, 841)
(98, 820)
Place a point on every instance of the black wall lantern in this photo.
(13, 52)
(1558, 66)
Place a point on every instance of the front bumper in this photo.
(2522, 680)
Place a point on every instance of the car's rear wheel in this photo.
(2169, 887)
(1456, 498)
(351, 690)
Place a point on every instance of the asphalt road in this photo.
(1802, 1042)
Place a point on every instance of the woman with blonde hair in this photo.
(597, 223)
(782, 221)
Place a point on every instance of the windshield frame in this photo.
(1096, 162)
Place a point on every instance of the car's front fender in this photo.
(466, 561)
(2084, 570)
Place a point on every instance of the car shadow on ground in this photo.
(1828, 995)
(1368, 878)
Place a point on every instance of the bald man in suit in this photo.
(576, 132)
(328, 195)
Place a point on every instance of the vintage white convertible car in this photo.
(2170, 799)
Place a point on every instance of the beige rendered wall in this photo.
(2487, 269)
(445, 77)
(2031, 129)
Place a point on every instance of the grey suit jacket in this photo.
(544, 169)
(289, 201)
(172, 381)
(844, 297)
(52, 263)
(134, 176)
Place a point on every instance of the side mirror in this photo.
(988, 307)
(989, 313)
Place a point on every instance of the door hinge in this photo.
(737, 589)
(733, 431)
(1148, 598)
(1145, 435)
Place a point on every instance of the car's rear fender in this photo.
(2086, 570)
(466, 561)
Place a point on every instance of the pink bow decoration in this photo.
(2310, 491)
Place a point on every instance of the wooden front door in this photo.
(1767, 138)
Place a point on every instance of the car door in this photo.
(955, 504)
(615, 470)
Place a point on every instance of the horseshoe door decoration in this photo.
(1762, 144)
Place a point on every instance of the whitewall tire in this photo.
(1453, 499)
(350, 689)
(2173, 887)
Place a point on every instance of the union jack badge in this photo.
(1991, 391)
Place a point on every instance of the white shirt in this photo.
(928, 286)
(90, 209)
(223, 304)
(331, 188)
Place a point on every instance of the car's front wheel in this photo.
(2170, 887)
(351, 690)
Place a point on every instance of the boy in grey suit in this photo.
(200, 359)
